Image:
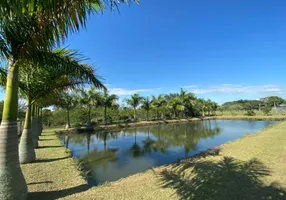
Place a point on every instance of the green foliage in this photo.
(242, 105)
(250, 113)
(267, 109)
(105, 109)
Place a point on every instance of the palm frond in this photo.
(69, 62)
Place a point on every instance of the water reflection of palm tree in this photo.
(161, 143)
(66, 141)
(148, 142)
(88, 142)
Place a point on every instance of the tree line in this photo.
(264, 104)
(92, 106)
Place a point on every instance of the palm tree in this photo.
(41, 86)
(67, 101)
(134, 102)
(28, 29)
(90, 98)
(188, 99)
(158, 104)
(107, 101)
(176, 106)
(146, 105)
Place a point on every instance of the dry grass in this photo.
(252, 167)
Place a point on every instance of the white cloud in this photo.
(237, 89)
(122, 91)
(190, 86)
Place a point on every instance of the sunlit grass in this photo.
(252, 167)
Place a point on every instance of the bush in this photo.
(267, 109)
(250, 113)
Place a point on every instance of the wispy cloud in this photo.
(236, 89)
(123, 91)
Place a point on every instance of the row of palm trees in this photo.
(89, 99)
(169, 106)
(30, 31)
(183, 104)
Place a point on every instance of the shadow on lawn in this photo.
(43, 147)
(49, 160)
(227, 179)
(46, 139)
(50, 195)
(42, 182)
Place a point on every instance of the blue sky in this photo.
(223, 50)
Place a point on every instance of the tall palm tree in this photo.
(89, 98)
(29, 28)
(146, 105)
(41, 86)
(107, 101)
(134, 102)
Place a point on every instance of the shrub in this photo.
(267, 109)
(250, 113)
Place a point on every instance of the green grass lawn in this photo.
(252, 167)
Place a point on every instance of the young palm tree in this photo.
(90, 98)
(146, 105)
(134, 102)
(176, 106)
(108, 101)
(158, 104)
(67, 101)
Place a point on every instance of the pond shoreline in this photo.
(67, 183)
(115, 127)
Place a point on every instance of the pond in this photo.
(109, 156)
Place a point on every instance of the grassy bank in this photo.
(174, 121)
(252, 167)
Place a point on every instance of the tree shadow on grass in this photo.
(50, 195)
(227, 179)
(50, 160)
(43, 147)
(42, 182)
(46, 139)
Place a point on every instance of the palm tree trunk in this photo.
(34, 127)
(134, 113)
(39, 121)
(12, 183)
(89, 118)
(26, 146)
(147, 115)
(68, 119)
(105, 119)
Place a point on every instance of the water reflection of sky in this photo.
(114, 155)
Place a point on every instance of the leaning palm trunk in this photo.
(34, 128)
(12, 183)
(26, 146)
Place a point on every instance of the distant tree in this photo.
(146, 105)
(68, 102)
(89, 98)
(158, 104)
(134, 102)
(107, 101)
(267, 109)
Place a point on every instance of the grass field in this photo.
(252, 167)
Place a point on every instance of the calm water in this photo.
(113, 155)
